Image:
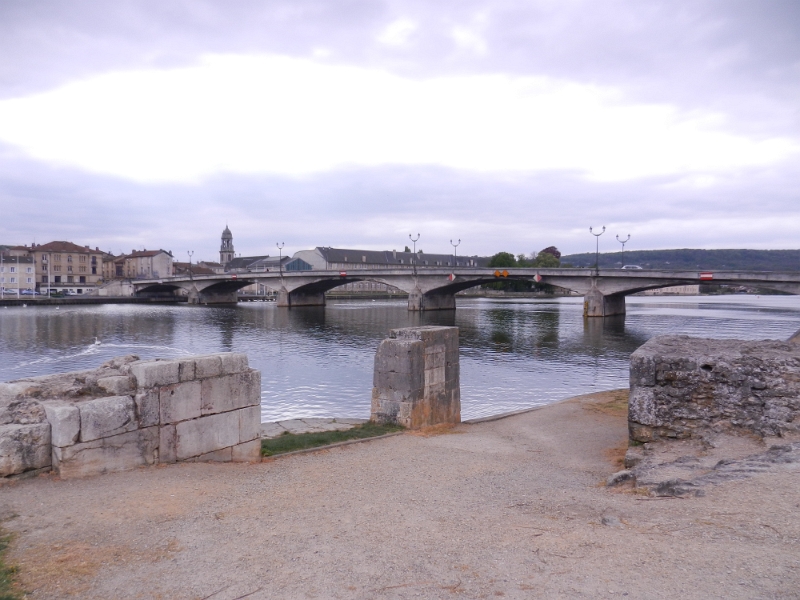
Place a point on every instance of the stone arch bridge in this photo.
(434, 288)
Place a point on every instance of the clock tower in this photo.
(226, 249)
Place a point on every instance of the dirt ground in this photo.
(511, 508)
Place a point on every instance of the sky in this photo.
(511, 125)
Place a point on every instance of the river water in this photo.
(317, 362)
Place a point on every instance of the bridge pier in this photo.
(202, 297)
(418, 301)
(290, 299)
(597, 304)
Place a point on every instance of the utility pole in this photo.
(597, 249)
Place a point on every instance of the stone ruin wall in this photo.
(683, 387)
(416, 378)
(130, 413)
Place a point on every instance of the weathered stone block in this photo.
(148, 407)
(230, 392)
(24, 447)
(206, 434)
(179, 402)
(247, 452)
(118, 385)
(22, 411)
(223, 455)
(249, 423)
(106, 417)
(116, 453)
(65, 422)
(150, 373)
(233, 362)
(167, 444)
(207, 366)
(682, 387)
(186, 369)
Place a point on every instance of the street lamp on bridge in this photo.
(280, 258)
(623, 242)
(597, 249)
(414, 241)
(190, 253)
(455, 252)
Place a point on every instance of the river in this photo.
(317, 362)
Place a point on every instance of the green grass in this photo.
(7, 573)
(289, 442)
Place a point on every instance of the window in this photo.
(69, 258)
(57, 257)
(29, 270)
(94, 270)
(82, 269)
(69, 269)
(13, 280)
(30, 280)
(57, 268)
(44, 279)
(70, 279)
(82, 279)
(44, 268)
(58, 279)
(12, 269)
(94, 260)
(82, 258)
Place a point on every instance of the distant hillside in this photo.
(737, 260)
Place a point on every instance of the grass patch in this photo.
(290, 442)
(8, 591)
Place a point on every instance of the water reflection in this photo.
(317, 361)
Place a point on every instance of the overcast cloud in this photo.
(512, 125)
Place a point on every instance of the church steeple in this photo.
(226, 253)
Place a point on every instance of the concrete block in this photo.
(118, 385)
(179, 402)
(167, 444)
(247, 452)
(233, 362)
(230, 392)
(150, 373)
(207, 366)
(148, 410)
(116, 453)
(106, 417)
(249, 423)
(186, 369)
(206, 434)
(24, 447)
(65, 422)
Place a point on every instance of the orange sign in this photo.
(497, 273)
(505, 273)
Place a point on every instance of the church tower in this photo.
(226, 249)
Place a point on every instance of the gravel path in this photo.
(513, 508)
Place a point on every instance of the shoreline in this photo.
(514, 507)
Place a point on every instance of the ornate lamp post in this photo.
(414, 241)
(597, 248)
(455, 252)
(623, 242)
(190, 253)
(280, 258)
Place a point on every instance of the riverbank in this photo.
(513, 508)
(32, 301)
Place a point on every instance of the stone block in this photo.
(116, 453)
(207, 366)
(249, 423)
(118, 385)
(24, 447)
(65, 422)
(148, 409)
(434, 376)
(22, 411)
(400, 356)
(230, 392)
(186, 369)
(233, 362)
(247, 452)
(179, 402)
(167, 444)
(223, 455)
(151, 373)
(206, 434)
(106, 417)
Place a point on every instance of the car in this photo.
(632, 268)
(29, 292)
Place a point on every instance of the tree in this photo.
(503, 259)
(407, 249)
(552, 250)
(546, 260)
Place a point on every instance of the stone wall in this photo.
(416, 378)
(683, 387)
(130, 413)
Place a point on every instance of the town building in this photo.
(67, 267)
(17, 272)
(143, 264)
(226, 253)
